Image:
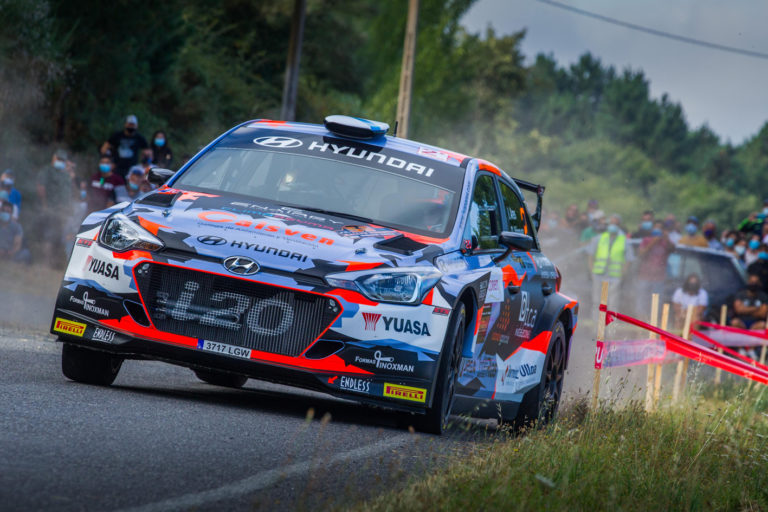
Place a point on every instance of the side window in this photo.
(516, 217)
(484, 221)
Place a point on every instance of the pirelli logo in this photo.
(405, 392)
(69, 327)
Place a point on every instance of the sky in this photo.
(726, 91)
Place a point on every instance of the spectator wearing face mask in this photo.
(692, 237)
(125, 145)
(652, 265)
(161, 149)
(645, 227)
(690, 294)
(740, 248)
(670, 225)
(136, 179)
(54, 195)
(729, 243)
(709, 230)
(753, 249)
(596, 226)
(11, 236)
(609, 256)
(106, 188)
(750, 306)
(759, 267)
(7, 181)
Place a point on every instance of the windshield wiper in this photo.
(338, 214)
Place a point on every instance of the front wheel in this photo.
(539, 405)
(89, 366)
(434, 421)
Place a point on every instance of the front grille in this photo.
(233, 311)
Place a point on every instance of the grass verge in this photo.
(708, 454)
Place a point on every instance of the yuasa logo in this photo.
(277, 142)
(371, 319)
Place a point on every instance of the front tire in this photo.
(89, 366)
(227, 380)
(434, 421)
(540, 404)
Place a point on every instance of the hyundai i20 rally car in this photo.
(332, 257)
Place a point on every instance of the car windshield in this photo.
(361, 192)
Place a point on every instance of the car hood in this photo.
(280, 237)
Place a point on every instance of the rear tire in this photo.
(539, 405)
(434, 421)
(227, 380)
(89, 366)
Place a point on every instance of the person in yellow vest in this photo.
(609, 257)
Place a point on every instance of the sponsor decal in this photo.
(277, 142)
(405, 392)
(84, 242)
(284, 213)
(405, 326)
(495, 289)
(524, 370)
(353, 384)
(385, 363)
(433, 153)
(441, 311)
(371, 319)
(527, 312)
(523, 333)
(211, 240)
(97, 266)
(105, 335)
(365, 231)
(219, 216)
(370, 156)
(283, 253)
(69, 327)
(89, 304)
(223, 348)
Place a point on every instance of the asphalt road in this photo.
(159, 439)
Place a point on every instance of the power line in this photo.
(660, 33)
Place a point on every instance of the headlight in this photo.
(119, 233)
(400, 285)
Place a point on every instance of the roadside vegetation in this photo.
(708, 454)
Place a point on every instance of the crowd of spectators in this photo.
(612, 249)
(65, 196)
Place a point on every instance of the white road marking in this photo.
(266, 478)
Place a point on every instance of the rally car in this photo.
(331, 257)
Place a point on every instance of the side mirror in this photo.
(517, 241)
(158, 176)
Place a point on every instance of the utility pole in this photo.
(291, 86)
(406, 73)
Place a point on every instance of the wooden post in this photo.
(660, 367)
(650, 374)
(723, 318)
(406, 72)
(600, 337)
(291, 84)
(682, 366)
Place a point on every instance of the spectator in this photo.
(740, 248)
(753, 249)
(14, 196)
(574, 220)
(596, 226)
(652, 265)
(5, 195)
(690, 294)
(609, 256)
(670, 224)
(645, 226)
(692, 236)
(107, 187)
(54, 193)
(592, 208)
(11, 236)
(135, 179)
(765, 233)
(750, 306)
(126, 144)
(163, 155)
(754, 223)
(760, 267)
(709, 230)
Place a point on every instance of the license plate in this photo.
(222, 348)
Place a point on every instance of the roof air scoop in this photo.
(355, 127)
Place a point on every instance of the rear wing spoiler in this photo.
(539, 191)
